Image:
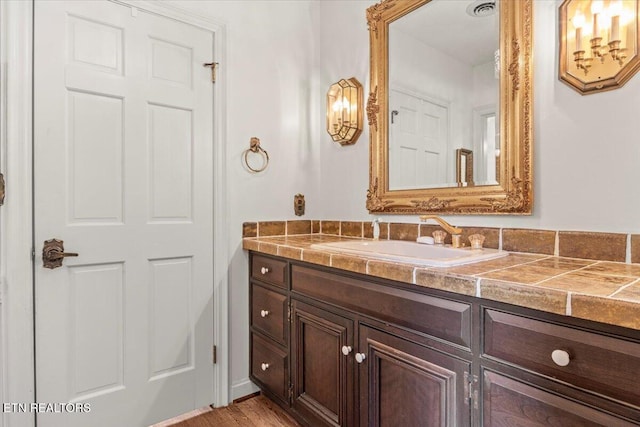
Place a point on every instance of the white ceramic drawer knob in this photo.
(360, 357)
(560, 357)
(346, 349)
(264, 270)
(265, 366)
(264, 313)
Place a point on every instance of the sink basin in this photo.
(415, 253)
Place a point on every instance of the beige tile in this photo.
(351, 228)
(330, 227)
(549, 300)
(563, 264)
(435, 280)
(316, 257)
(388, 270)
(290, 252)
(271, 228)
(615, 269)
(600, 246)
(525, 240)
(398, 231)
(587, 283)
(630, 293)
(635, 248)
(349, 263)
(315, 226)
(527, 274)
(250, 229)
(480, 268)
(268, 248)
(250, 244)
(298, 227)
(606, 310)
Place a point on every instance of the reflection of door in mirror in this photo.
(486, 145)
(418, 141)
(442, 53)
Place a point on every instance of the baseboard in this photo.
(242, 388)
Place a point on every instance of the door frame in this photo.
(17, 216)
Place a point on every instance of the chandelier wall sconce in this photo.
(344, 111)
(598, 43)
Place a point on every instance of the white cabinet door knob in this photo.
(264, 270)
(264, 313)
(360, 357)
(265, 366)
(346, 349)
(560, 357)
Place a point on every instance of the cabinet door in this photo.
(508, 402)
(323, 390)
(406, 384)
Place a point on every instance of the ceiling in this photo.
(446, 26)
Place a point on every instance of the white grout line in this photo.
(556, 245)
(622, 288)
(568, 309)
(478, 287)
(628, 255)
(500, 238)
(414, 274)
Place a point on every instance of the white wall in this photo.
(586, 149)
(271, 94)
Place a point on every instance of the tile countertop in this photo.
(602, 291)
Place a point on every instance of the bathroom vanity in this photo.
(336, 347)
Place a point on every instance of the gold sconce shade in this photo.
(344, 111)
(598, 43)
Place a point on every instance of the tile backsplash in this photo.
(570, 244)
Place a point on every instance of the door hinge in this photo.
(290, 392)
(289, 313)
(213, 66)
(2, 186)
(471, 390)
(215, 354)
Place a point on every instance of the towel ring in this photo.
(254, 147)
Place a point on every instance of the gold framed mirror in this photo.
(506, 186)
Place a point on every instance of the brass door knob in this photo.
(53, 253)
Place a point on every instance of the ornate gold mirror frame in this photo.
(514, 192)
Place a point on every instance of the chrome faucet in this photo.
(456, 233)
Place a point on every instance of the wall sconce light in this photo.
(344, 111)
(598, 43)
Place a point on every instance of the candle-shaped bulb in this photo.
(596, 10)
(615, 9)
(578, 22)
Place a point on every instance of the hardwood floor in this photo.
(257, 411)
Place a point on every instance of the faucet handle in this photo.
(476, 241)
(438, 237)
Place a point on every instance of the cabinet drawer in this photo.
(269, 312)
(438, 317)
(508, 402)
(269, 366)
(269, 270)
(603, 364)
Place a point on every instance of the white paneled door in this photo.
(418, 142)
(123, 176)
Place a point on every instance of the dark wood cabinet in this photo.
(406, 384)
(344, 349)
(322, 373)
